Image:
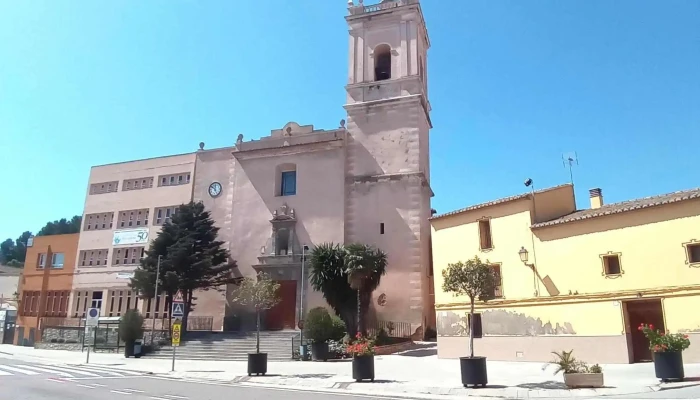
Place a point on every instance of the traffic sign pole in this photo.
(177, 329)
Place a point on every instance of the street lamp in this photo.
(523, 255)
(155, 299)
(302, 348)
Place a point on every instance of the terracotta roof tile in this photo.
(495, 202)
(630, 205)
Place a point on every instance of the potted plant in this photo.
(362, 352)
(318, 327)
(476, 280)
(130, 330)
(667, 350)
(577, 374)
(261, 294)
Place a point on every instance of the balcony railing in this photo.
(381, 6)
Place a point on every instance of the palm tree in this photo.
(347, 276)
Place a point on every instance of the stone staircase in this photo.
(230, 346)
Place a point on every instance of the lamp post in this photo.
(155, 299)
(304, 249)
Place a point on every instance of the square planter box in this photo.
(583, 380)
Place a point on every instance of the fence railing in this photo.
(197, 323)
(392, 328)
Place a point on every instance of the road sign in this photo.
(92, 317)
(178, 297)
(301, 324)
(178, 310)
(176, 334)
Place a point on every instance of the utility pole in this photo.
(301, 301)
(155, 300)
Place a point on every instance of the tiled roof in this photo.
(630, 205)
(495, 202)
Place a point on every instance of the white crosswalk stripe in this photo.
(66, 371)
(50, 371)
(20, 370)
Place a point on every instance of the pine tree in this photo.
(191, 258)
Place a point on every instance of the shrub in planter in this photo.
(476, 280)
(577, 374)
(362, 351)
(338, 332)
(261, 294)
(318, 327)
(667, 350)
(130, 330)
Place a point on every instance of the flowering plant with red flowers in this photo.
(361, 346)
(660, 342)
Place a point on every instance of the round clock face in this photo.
(215, 189)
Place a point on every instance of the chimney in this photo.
(596, 197)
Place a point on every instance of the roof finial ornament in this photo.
(342, 123)
(239, 139)
(201, 145)
(350, 3)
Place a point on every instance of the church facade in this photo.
(274, 198)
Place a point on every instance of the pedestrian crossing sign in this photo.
(176, 334)
(178, 310)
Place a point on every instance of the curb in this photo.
(344, 387)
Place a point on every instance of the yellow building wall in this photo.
(457, 239)
(650, 244)
(682, 314)
(601, 318)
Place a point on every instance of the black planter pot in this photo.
(669, 366)
(319, 351)
(128, 349)
(473, 371)
(363, 368)
(257, 363)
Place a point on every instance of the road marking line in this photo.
(55, 380)
(13, 369)
(106, 370)
(157, 398)
(86, 386)
(99, 385)
(119, 392)
(77, 371)
(172, 396)
(132, 390)
(48, 370)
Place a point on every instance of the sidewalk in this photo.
(411, 374)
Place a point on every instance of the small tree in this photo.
(131, 327)
(318, 325)
(259, 293)
(347, 276)
(474, 279)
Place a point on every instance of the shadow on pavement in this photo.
(420, 350)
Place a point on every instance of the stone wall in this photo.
(69, 335)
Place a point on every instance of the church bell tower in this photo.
(388, 162)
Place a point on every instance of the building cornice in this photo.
(668, 291)
(289, 149)
(382, 178)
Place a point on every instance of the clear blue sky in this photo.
(513, 84)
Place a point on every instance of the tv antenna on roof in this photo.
(570, 159)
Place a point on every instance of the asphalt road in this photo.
(32, 381)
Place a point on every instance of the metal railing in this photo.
(393, 329)
(197, 323)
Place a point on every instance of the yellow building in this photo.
(582, 280)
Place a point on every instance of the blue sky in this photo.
(513, 85)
